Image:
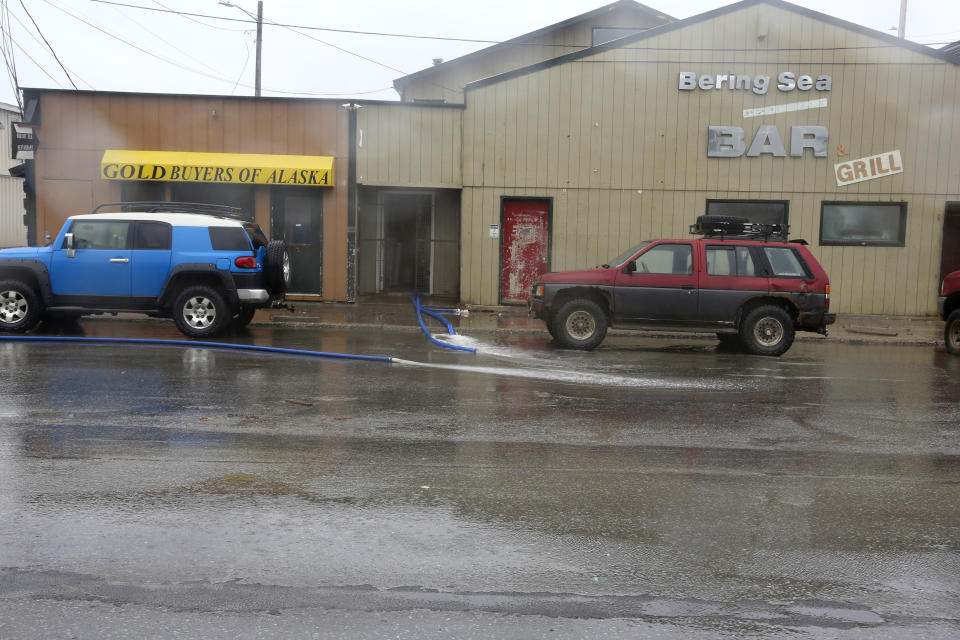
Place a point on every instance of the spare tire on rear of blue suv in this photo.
(277, 268)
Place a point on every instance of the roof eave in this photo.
(709, 15)
(403, 80)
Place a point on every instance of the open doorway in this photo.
(406, 242)
(950, 254)
(408, 239)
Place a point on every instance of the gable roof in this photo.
(952, 49)
(627, 4)
(941, 54)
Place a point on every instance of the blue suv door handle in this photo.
(119, 260)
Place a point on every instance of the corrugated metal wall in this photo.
(13, 233)
(402, 145)
(623, 152)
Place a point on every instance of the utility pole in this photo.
(902, 30)
(227, 3)
(256, 83)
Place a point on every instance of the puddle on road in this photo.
(245, 484)
(232, 485)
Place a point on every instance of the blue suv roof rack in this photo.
(154, 206)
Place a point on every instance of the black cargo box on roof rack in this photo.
(737, 227)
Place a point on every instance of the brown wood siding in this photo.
(623, 152)
(409, 146)
(77, 128)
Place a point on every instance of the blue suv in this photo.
(194, 263)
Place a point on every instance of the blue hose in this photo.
(195, 343)
(415, 298)
(431, 312)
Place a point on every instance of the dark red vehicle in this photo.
(735, 281)
(948, 306)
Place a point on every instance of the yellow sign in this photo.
(223, 168)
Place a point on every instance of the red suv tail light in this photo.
(246, 262)
(826, 304)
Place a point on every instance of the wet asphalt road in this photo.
(652, 488)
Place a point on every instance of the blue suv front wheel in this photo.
(19, 306)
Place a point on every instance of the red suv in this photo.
(735, 281)
(948, 305)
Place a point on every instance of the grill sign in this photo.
(868, 168)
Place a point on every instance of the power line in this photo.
(245, 62)
(49, 46)
(294, 29)
(166, 41)
(332, 30)
(37, 40)
(38, 65)
(477, 40)
(484, 41)
(186, 17)
(7, 49)
(180, 66)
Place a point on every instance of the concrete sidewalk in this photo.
(397, 313)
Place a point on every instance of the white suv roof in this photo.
(175, 219)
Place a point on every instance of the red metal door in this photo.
(523, 247)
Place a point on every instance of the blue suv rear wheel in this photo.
(201, 312)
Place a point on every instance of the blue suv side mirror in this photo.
(71, 250)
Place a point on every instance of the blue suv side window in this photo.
(152, 235)
(100, 234)
(229, 239)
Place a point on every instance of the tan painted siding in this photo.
(13, 233)
(76, 128)
(447, 82)
(623, 152)
(409, 146)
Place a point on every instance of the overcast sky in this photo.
(170, 53)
